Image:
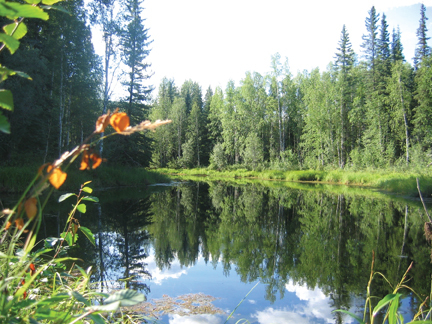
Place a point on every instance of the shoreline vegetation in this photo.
(394, 182)
(14, 179)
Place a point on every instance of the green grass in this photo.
(16, 179)
(403, 183)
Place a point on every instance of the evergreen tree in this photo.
(422, 49)
(370, 42)
(134, 41)
(207, 143)
(163, 146)
(423, 111)
(396, 46)
(344, 64)
(384, 56)
(134, 50)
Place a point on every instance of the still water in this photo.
(309, 249)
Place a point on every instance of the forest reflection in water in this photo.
(284, 238)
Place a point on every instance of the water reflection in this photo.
(307, 247)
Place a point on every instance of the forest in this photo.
(366, 110)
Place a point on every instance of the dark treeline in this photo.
(374, 112)
(368, 109)
(72, 85)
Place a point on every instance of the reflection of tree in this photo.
(123, 242)
(178, 225)
(275, 235)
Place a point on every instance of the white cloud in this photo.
(317, 308)
(195, 319)
(275, 316)
(158, 275)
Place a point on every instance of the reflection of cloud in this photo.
(317, 308)
(158, 275)
(195, 319)
(274, 316)
(317, 303)
(252, 301)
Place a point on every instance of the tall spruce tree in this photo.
(135, 42)
(134, 50)
(344, 64)
(422, 49)
(370, 42)
(396, 46)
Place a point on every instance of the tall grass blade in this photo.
(384, 302)
(230, 315)
(358, 319)
(393, 310)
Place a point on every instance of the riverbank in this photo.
(390, 181)
(16, 179)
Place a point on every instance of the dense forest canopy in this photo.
(366, 110)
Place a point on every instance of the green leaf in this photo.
(33, 1)
(14, 10)
(97, 319)
(126, 297)
(86, 183)
(358, 319)
(87, 189)
(50, 2)
(54, 300)
(88, 234)
(23, 75)
(91, 198)
(20, 31)
(393, 310)
(112, 307)
(80, 298)
(383, 302)
(61, 9)
(65, 196)
(426, 322)
(68, 238)
(6, 99)
(11, 43)
(82, 208)
(4, 124)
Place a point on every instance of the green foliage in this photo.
(10, 37)
(36, 284)
(218, 159)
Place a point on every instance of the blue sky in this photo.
(212, 42)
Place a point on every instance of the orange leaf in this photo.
(119, 121)
(96, 160)
(32, 267)
(31, 207)
(8, 225)
(102, 123)
(84, 161)
(57, 177)
(19, 223)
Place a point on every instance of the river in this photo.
(300, 251)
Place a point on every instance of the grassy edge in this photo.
(16, 179)
(403, 183)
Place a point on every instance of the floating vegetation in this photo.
(189, 304)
